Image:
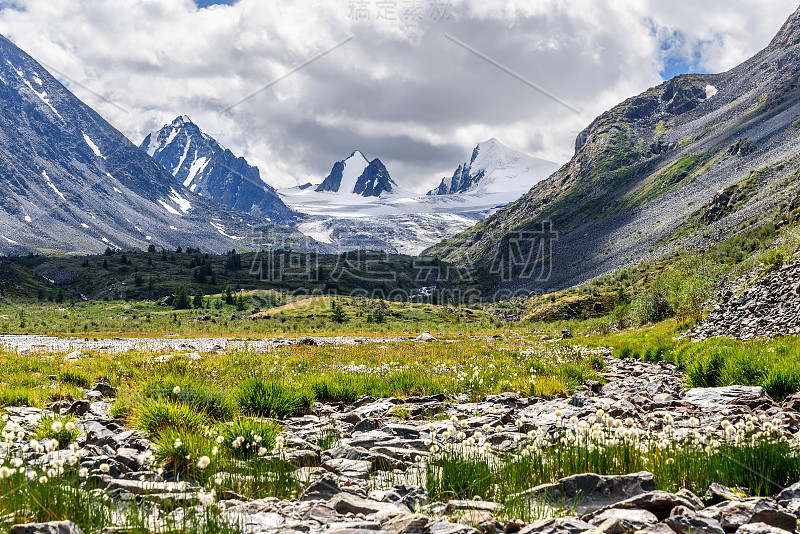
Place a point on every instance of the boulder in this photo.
(721, 396)
(558, 525)
(790, 499)
(759, 528)
(426, 337)
(323, 489)
(590, 492)
(734, 514)
(660, 503)
(637, 518)
(685, 521)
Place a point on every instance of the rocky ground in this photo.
(342, 495)
(31, 344)
(768, 308)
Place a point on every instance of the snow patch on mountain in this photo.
(92, 145)
(52, 185)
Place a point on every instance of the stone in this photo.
(346, 503)
(411, 496)
(760, 528)
(685, 521)
(104, 389)
(54, 527)
(734, 514)
(324, 488)
(720, 396)
(79, 408)
(637, 518)
(406, 524)
(348, 468)
(716, 493)
(789, 498)
(558, 525)
(658, 502)
(445, 527)
(426, 337)
(590, 492)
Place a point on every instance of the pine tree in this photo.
(182, 300)
(198, 299)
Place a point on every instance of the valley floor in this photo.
(510, 430)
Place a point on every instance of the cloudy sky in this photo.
(294, 86)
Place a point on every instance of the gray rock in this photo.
(718, 493)
(590, 492)
(324, 488)
(790, 499)
(638, 518)
(411, 496)
(426, 337)
(104, 389)
(444, 527)
(685, 521)
(559, 525)
(659, 503)
(348, 468)
(406, 524)
(734, 514)
(347, 503)
(760, 528)
(54, 527)
(721, 396)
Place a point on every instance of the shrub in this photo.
(216, 404)
(250, 434)
(704, 372)
(153, 416)
(547, 386)
(624, 352)
(271, 398)
(182, 448)
(76, 377)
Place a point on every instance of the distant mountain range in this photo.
(358, 205)
(70, 182)
(200, 163)
(693, 161)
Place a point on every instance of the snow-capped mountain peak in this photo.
(358, 176)
(207, 168)
(495, 168)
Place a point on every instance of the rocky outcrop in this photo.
(770, 307)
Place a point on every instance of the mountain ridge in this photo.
(642, 169)
(207, 168)
(71, 183)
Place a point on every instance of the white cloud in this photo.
(400, 90)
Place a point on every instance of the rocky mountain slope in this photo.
(200, 163)
(494, 167)
(682, 164)
(70, 182)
